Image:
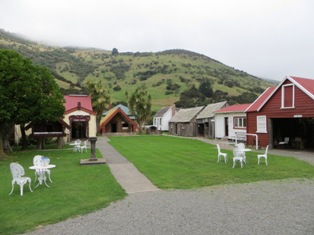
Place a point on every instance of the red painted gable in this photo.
(72, 102)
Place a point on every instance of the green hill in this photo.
(166, 74)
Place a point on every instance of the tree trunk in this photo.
(60, 142)
(140, 127)
(24, 141)
(3, 155)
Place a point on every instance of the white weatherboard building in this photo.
(231, 121)
(162, 117)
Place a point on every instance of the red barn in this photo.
(283, 116)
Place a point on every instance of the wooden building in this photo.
(285, 111)
(183, 123)
(230, 122)
(116, 121)
(79, 115)
(43, 130)
(162, 117)
(206, 119)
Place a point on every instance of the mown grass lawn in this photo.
(182, 163)
(170, 163)
(75, 190)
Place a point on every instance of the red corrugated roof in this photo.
(306, 83)
(71, 102)
(259, 102)
(234, 108)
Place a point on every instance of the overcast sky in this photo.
(266, 38)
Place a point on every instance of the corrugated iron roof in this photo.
(260, 100)
(186, 115)
(71, 102)
(234, 108)
(306, 83)
(162, 111)
(209, 110)
(125, 109)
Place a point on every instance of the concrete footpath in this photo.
(125, 172)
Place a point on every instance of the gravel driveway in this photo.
(273, 207)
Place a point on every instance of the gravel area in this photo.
(270, 207)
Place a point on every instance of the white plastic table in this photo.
(42, 173)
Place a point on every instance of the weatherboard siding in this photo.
(303, 107)
(263, 138)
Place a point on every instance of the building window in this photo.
(125, 125)
(261, 124)
(287, 96)
(239, 122)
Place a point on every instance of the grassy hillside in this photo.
(166, 74)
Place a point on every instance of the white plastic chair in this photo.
(241, 147)
(237, 156)
(38, 160)
(77, 146)
(84, 146)
(285, 142)
(259, 156)
(220, 154)
(18, 172)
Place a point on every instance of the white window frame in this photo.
(238, 122)
(283, 96)
(261, 124)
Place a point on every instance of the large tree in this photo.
(191, 98)
(140, 106)
(100, 98)
(28, 93)
(206, 88)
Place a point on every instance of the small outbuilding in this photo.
(183, 123)
(43, 130)
(206, 119)
(162, 117)
(116, 121)
(230, 122)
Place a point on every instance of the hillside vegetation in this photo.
(166, 74)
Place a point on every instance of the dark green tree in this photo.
(140, 106)
(114, 51)
(206, 88)
(46, 103)
(28, 93)
(191, 98)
